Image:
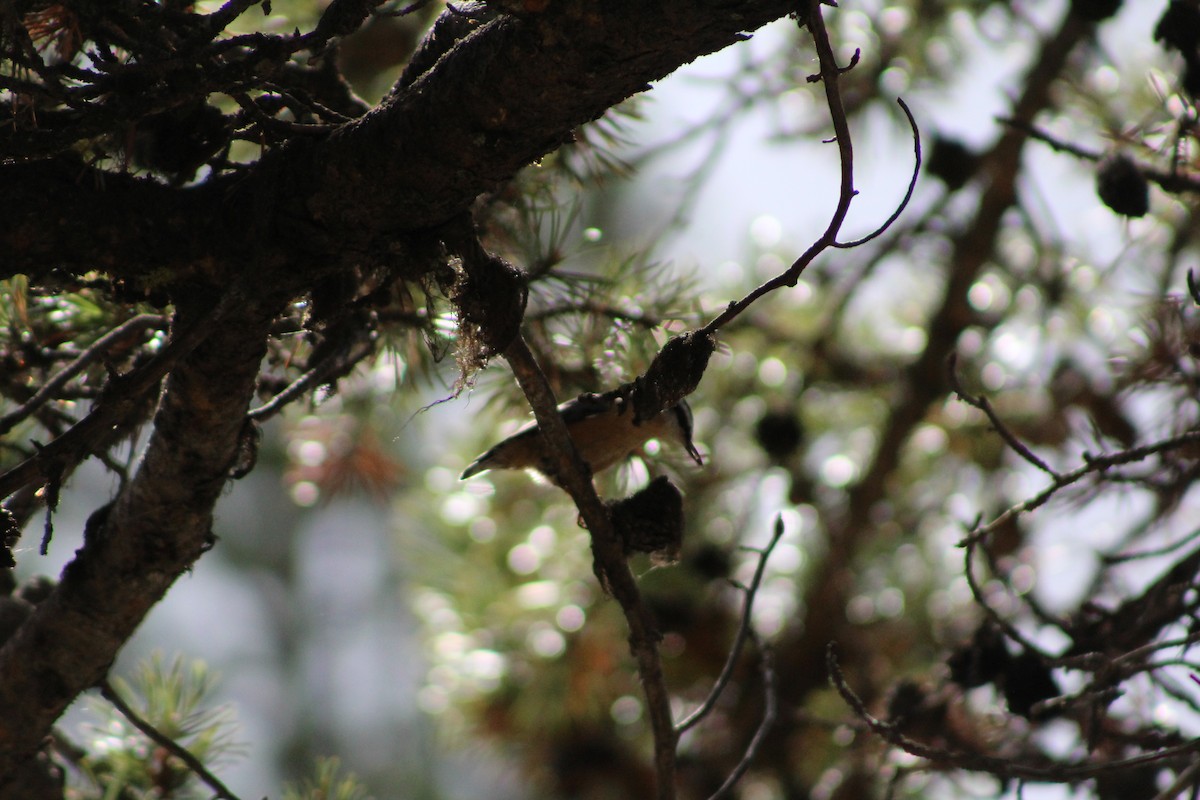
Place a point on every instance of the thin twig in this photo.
(1116, 559)
(92, 352)
(829, 73)
(1187, 778)
(1092, 464)
(1038, 134)
(912, 184)
(993, 614)
(984, 405)
(1172, 181)
(266, 120)
(770, 711)
(1053, 772)
(344, 358)
(1028, 599)
(73, 444)
(158, 737)
(745, 630)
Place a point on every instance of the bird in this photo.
(603, 428)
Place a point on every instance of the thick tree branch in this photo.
(502, 98)
(135, 549)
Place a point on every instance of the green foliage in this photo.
(123, 763)
(328, 783)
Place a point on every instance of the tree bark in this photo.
(155, 529)
(502, 98)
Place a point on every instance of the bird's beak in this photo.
(695, 454)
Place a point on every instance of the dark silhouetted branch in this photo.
(126, 330)
(744, 631)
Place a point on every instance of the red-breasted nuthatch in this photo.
(603, 429)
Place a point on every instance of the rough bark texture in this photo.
(502, 98)
(156, 529)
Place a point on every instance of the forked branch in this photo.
(828, 76)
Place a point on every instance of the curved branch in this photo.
(912, 184)
(829, 74)
(744, 631)
(166, 742)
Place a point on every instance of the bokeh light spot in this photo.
(524, 559)
(570, 618)
(626, 710)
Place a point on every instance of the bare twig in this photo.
(73, 444)
(1114, 559)
(984, 405)
(1188, 778)
(981, 601)
(1034, 132)
(770, 711)
(912, 185)
(343, 359)
(1031, 602)
(1092, 464)
(1048, 772)
(253, 110)
(1172, 180)
(829, 74)
(745, 630)
(90, 354)
(158, 737)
